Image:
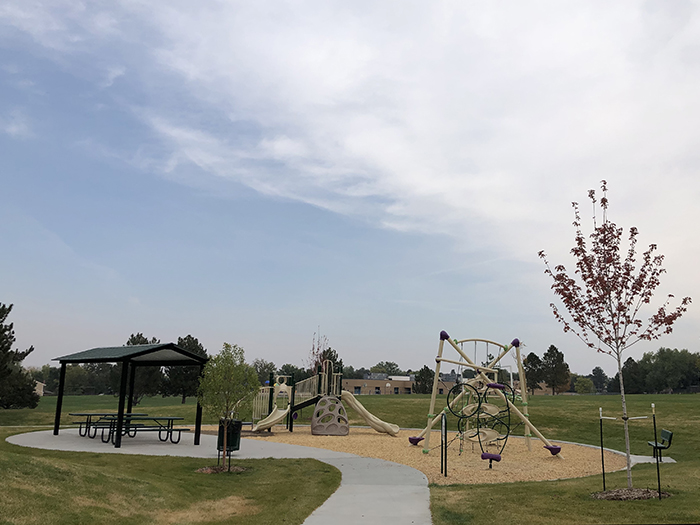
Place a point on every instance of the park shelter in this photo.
(131, 357)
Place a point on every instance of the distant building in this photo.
(39, 388)
(388, 385)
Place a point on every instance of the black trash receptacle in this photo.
(233, 437)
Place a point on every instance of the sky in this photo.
(256, 172)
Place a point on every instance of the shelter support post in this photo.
(59, 401)
(132, 380)
(122, 396)
(198, 417)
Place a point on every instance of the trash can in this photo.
(233, 437)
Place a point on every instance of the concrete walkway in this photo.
(372, 491)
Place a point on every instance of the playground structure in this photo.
(483, 406)
(308, 392)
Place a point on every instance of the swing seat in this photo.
(553, 449)
(490, 456)
(413, 440)
(497, 386)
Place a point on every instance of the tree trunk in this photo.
(184, 397)
(226, 435)
(626, 423)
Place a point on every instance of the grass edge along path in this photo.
(45, 486)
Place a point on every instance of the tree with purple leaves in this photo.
(606, 295)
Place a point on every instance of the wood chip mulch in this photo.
(630, 494)
(518, 464)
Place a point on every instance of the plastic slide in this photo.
(372, 420)
(275, 417)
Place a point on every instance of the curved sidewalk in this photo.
(372, 491)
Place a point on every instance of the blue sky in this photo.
(249, 172)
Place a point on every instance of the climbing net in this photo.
(484, 416)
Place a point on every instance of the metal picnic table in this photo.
(91, 422)
(133, 423)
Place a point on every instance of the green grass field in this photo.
(42, 486)
(172, 483)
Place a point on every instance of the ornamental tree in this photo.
(227, 386)
(605, 297)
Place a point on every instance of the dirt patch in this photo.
(465, 466)
(209, 511)
(220, 469)
(630, 494)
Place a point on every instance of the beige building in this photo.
(391, 385)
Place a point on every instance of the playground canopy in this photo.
(130, 357)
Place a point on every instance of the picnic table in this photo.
(96, 420)
(164, 425)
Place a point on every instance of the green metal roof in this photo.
(163, 354)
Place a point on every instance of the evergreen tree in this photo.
(599, 378)
(424, 381)
(555, 371)
(16, 385)
(533, 371)
(149, 379)
(183, 380)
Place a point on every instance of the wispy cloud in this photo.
(478, 122)
(16, 124)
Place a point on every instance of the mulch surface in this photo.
(464, 466)
(630, 494)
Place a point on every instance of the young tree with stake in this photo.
(606, 294)
(227, 385)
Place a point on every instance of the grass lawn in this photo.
(43, 486)
(575, 418)
(40, 482)
(572, 418)
(45, 412)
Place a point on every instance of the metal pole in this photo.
(132, 381)
(292, 400)
(272, 394)
(198, 416)
(602, 455)
(443, 443)
(120, 412)
(658, 474)
(59, 400)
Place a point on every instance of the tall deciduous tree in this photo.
(386, 367)
(555, 371)
(605, 296)
(16, 385)
(299, 374)
(264, 369)
(584, 385)
(227, 386)
(183, 380)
